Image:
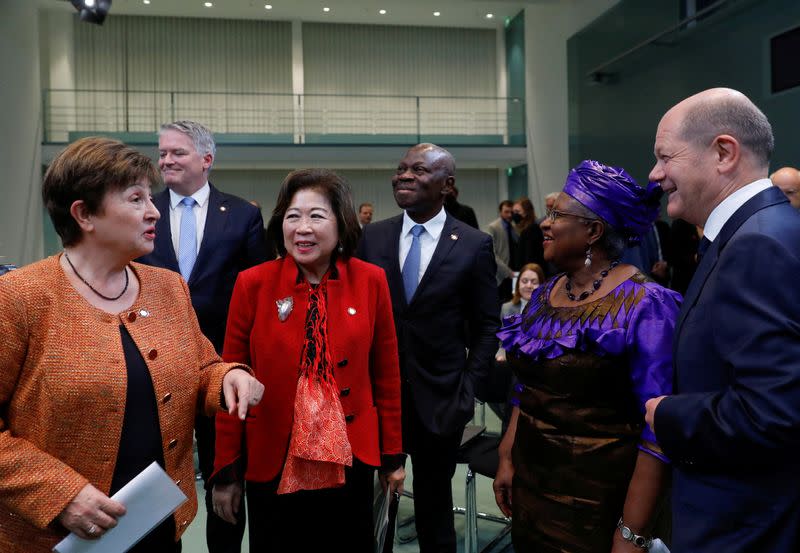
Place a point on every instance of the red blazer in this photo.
(363, 347)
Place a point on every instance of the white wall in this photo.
(20, 134)
(547, 28)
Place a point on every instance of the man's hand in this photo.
(241, 391)
(392, 482)
(650, 411)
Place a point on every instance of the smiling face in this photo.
(528, 282)
(126, 221)
(310, 232)
(566, 238)
(420, 183)
(183, 168)
(684, 170)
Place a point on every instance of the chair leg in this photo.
(470, 518)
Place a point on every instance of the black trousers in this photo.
(221, 536)
(337, 519)
(433, 457)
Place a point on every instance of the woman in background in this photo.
(316, 325)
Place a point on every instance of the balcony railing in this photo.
(287, 118)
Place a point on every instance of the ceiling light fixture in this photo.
(326, 9)
(437, 14)
(208, 4)
(489, 15)
(382, 12)
(267, 6)
(92, 11)
(146, 1)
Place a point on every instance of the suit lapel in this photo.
(391, 260)
(216, 219)
(447, 240)
(763, 199)
(163, 241)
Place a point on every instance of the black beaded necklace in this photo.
(107, 298)
(595, 285)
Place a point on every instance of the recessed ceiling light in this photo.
(88, 3)
(489, 15)
(208, 4)
(326, 9)
(146, 1)
(382, 12)
(267, 6)
(437, 14)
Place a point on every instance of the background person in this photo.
(441, 277)
(103, 365)
(207, 236)
(593, 345)
(316, 326)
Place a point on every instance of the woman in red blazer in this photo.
(316, 326)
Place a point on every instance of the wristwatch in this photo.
(637, 540)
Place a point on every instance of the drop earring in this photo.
(588, 260)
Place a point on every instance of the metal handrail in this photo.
(495, 120)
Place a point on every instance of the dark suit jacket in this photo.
(233, 240)
(733, 428)
(454, 309)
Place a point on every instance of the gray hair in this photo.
(201, 137)
(733, 115)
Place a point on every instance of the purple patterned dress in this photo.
(584, 374)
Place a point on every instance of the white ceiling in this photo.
(454, 13)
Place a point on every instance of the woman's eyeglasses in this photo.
(553, 214)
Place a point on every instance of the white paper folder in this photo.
(149, 499)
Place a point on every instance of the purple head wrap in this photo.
(612, 194)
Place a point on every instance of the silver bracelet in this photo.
(629, 535)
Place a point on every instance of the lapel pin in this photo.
(223, 208)
(351, 310)
(144, 313)
(454, 236)
(284, 308)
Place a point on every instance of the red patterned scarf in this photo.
(319, 448)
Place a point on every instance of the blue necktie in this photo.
(187, 239)
(411, 266)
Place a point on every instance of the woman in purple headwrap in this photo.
(579, 469)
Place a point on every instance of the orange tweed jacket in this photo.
(62, 393)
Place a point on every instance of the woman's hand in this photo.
(502, 484)
(620, 545)
(225, 499)
(392, 482)
(241, 391)
(500, 356)
(90, 513)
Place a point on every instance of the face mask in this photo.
(516, 217)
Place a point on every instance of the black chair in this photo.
(481, 457)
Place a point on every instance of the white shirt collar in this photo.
(727, 207)
(434, 226)
(201, 196)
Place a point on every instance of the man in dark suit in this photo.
(441, 275)
(732, 427)
(207, 236)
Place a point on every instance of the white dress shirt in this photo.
(200, 211)
(427, 240)
(727, 207)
